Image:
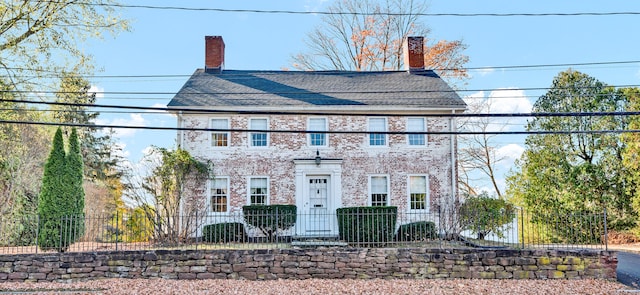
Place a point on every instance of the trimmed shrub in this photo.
(367, 226)
(224, 232)
(417, 231)
(270, 218)
(484, 215)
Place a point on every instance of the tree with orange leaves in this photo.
(367, 35)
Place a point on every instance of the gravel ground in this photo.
(318, 286)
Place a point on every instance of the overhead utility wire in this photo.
(537, 132)
(438, 69)
(219, 111)
(361, 13)
(302, 92)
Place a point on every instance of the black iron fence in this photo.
(352, 227)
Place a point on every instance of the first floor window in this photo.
(418, 192)
(258, 191)
(219, 138)
(377, 125)
(259, 138)
(379, 190)
(219, 195)
(416, 125)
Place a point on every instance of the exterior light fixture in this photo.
(318, 159)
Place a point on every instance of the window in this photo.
(418, 193)
(258, 191)
(416, 125)
(379, 190)
(219, 194)
(219, 138)
(380, 125)
(259, 138)
(317, 124)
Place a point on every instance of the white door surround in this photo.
(318, 195)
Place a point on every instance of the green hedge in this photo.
(224, 232)
(270, 218)
(417, 231)
(367, 226)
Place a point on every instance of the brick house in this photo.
(309, 143)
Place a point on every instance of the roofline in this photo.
(347, 109)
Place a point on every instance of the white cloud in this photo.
(509, 100)
(510, 153)
(132, 120)
(99, 91)
(314, 5)
(485, 71)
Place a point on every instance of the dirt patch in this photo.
(621, 238)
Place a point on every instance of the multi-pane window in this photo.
(259, 138)
(219, 194)
(379, 190)
(377, 125)
(219, 138)
(258, 191)
(416, 125)
(418, 193)
(317, 124)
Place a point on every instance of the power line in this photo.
(202, 9)
(480, 68)
(231, 111)
(258, 93)
(156, 128)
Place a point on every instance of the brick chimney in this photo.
(213, 54)
(414, 53)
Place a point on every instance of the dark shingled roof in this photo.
(316, 89)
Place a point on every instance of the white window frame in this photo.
(254, 128)
(424, 129)
(326, 135)
(266, 196)
(426, 192)
(212, 183)
(228, 134)
(384, 136)
(371, 192)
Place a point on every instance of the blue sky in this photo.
(171, 42)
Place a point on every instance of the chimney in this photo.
(414, 53)
(213, 54)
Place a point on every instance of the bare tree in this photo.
(368, 35)
(167, 193)
(478, 152)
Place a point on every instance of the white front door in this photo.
(318, 217)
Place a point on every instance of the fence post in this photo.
(196, 230)
(37, 231)
(117, 230)
(522, 225)
(606, 236)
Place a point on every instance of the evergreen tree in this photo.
(54, 201)
(74, 174)
(61, 202)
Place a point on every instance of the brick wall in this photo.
(397, 160)
(312, 263)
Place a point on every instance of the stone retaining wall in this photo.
(311, 263)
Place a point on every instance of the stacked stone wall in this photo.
(339, 263)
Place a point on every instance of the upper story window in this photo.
(259, 139)
(317, 124)
(219, 138)
(220, 194)
(379, 190)
(418, 192)
(377, 125)
(416, 125)
(258, 191)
